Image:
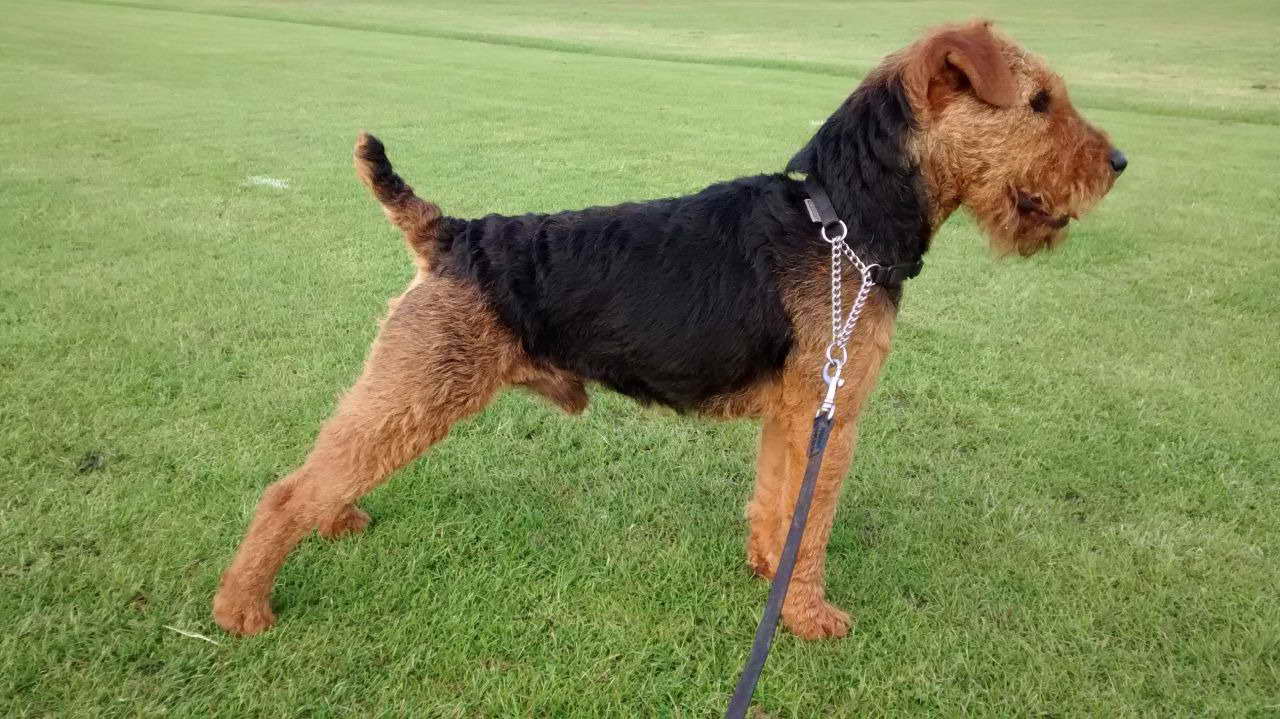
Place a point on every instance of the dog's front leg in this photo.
(783, 454)
(784, 443)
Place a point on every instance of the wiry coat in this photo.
(716, 303)
(681, 300)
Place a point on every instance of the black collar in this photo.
(823, 213)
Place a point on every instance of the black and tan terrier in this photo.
(716, 303)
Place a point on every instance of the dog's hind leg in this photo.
(439, 358)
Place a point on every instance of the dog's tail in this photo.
(419, 219)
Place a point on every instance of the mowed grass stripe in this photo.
(1092, 95)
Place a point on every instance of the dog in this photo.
(715, 304)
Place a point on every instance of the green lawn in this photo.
(1066, 501)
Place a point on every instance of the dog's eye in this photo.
(1040, 101)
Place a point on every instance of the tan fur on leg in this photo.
(783, 456)
(440, 357)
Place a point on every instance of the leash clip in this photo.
(831, 375)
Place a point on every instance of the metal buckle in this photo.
(812, 207)
(844, 231)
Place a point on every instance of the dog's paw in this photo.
(812, 617)
(240, 616)
(763, 565)
(350, 520)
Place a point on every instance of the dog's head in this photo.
(996, 132)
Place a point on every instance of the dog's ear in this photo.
(956, 59)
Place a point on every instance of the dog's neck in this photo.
(943, 190)
(943, 199)
(861, 156)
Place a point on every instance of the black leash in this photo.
(782, 578)
(833, 231)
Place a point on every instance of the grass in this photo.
(1066, 501)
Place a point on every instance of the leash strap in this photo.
(833, 231)
(821, 211)
(768, 626)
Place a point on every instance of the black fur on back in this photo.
(679, 300)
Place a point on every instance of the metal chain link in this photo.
(842, 331)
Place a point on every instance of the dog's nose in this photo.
(1118, 161)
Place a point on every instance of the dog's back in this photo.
(624, 295)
